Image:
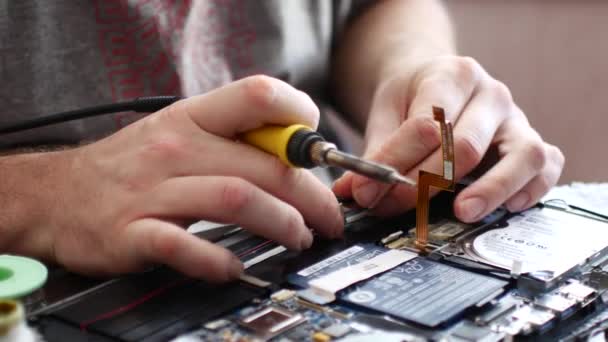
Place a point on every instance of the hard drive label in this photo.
(543, 240)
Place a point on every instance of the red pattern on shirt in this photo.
(218, 46)
(142, 42)
(139, 50)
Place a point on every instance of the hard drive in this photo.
(541, 246)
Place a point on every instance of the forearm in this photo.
(30, 195)
(392, 36)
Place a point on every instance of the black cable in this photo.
(565, 206)
(140, 105)
(588, 211)
(476, 269)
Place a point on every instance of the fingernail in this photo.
(472, 208)
(518, 202)
(236, 268)
(306, 241)
(337, 181)
(366, 194)
(339, 230)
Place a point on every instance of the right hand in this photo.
(126, 194)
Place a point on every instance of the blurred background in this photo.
(553, 55)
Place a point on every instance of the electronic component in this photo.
(540, 247)
(577, 291)
(467, 331)
(462, 290)
(444, 230)
(312, 296)
(352, 215)
(543, 241)
(337, 330)
(282, 295)
(559, 305)
(154, 305)
(588, 329)
(531, 318)
(424, 292)
(347, 257)
(251, 249)
(254, 281)
(271, 321)
(217, 324)
(502, 307)
(426, 180)
(447, 229)
(298, 334)
(320, 337)
(391, 237)
(401, 243)
(329, 284)
(439, 234)
(324, 309)
(383, 336)
(323, 279)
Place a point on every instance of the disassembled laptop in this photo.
(536, 275)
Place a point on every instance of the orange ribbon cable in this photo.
(427, 179)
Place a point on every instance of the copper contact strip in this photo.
(427, 179)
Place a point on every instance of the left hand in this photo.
(401, 132)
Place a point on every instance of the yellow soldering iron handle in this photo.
(273, 139)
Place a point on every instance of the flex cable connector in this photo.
(426, 180)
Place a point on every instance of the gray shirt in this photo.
(63, 54)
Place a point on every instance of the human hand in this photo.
(126, 195)
(401, 132)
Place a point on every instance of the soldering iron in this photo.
(296, 145)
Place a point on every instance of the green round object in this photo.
(20, 276)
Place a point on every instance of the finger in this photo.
(448, 85)
(247, 104)
(524, 159)
(156, 241)
(382, 123)
(413, 141)
(298, 187)
(342, 186)
(230, 200)
(540, 184)
(387, 110)
(473, 134)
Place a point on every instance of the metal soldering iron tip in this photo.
(368, 168)
(399, 178)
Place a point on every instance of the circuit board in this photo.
(498, 279)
